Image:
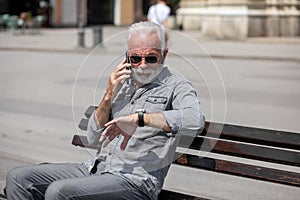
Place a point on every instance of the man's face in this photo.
(145, 56)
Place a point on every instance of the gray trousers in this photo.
(67, 181)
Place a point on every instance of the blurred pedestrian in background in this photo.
(159, 13)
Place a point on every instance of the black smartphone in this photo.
(128, 68)
(127, 60)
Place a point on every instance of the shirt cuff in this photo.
(173, 119)
(93, 133)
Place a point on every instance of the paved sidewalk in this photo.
(66, 39)
(39, 96)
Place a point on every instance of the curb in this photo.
(216, 56)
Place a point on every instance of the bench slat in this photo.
(254, 135)
(240, 169)
(79, 140)
(83, 124)
(244, 150)
(90, 111)
(170, 195)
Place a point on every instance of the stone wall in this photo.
(239, 19)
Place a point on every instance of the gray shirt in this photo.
(150, 151)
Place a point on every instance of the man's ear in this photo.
(166, 52)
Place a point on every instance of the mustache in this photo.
(145, 75)
(144, 70)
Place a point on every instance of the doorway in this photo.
(100, 12)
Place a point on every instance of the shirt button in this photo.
(132, 102)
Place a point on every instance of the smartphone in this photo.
(127, 60)
(128, 68)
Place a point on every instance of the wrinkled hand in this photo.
(125, 126)
(118, 77)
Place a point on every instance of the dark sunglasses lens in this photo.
(151, 59)
(138, 59)
(135, 59)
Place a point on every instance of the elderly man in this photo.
(143, 113)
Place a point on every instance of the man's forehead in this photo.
(141, 41)
(145, 49)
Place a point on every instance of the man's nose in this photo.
(143, 64)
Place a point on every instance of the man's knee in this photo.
(17, 182)
(17, 176)
(11, 179)
(58, 190)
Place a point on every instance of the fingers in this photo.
(105, 143)
(112, 130)
(123, 65)
(120, 74)
(124, 143)
(109, 133)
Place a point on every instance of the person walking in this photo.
(159, 13)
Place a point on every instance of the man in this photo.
(158, 13)
(138, 122)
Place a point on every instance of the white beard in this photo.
(145, 76)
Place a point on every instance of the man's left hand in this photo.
(125, 126)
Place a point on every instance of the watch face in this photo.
(140, 110)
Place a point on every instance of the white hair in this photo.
(146, 28)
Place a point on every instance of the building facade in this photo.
(96, 12)
(239, 19)
(223, 19)
(68, 13)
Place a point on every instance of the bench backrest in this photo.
(232, 141)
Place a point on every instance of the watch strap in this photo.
(140, 113)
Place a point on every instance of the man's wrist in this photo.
(108, 92)
(107, 96)
(146, 119)
(140, 113)
(135, 119)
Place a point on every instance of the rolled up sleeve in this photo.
(93, 133)
(186, 114)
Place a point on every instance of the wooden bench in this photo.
(251, 144)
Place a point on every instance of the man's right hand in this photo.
(117, 79)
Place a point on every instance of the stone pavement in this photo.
(66, 39)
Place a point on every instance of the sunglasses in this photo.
(138, 59)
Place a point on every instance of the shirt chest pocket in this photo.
(156, 103)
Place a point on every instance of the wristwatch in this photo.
(140, 113)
